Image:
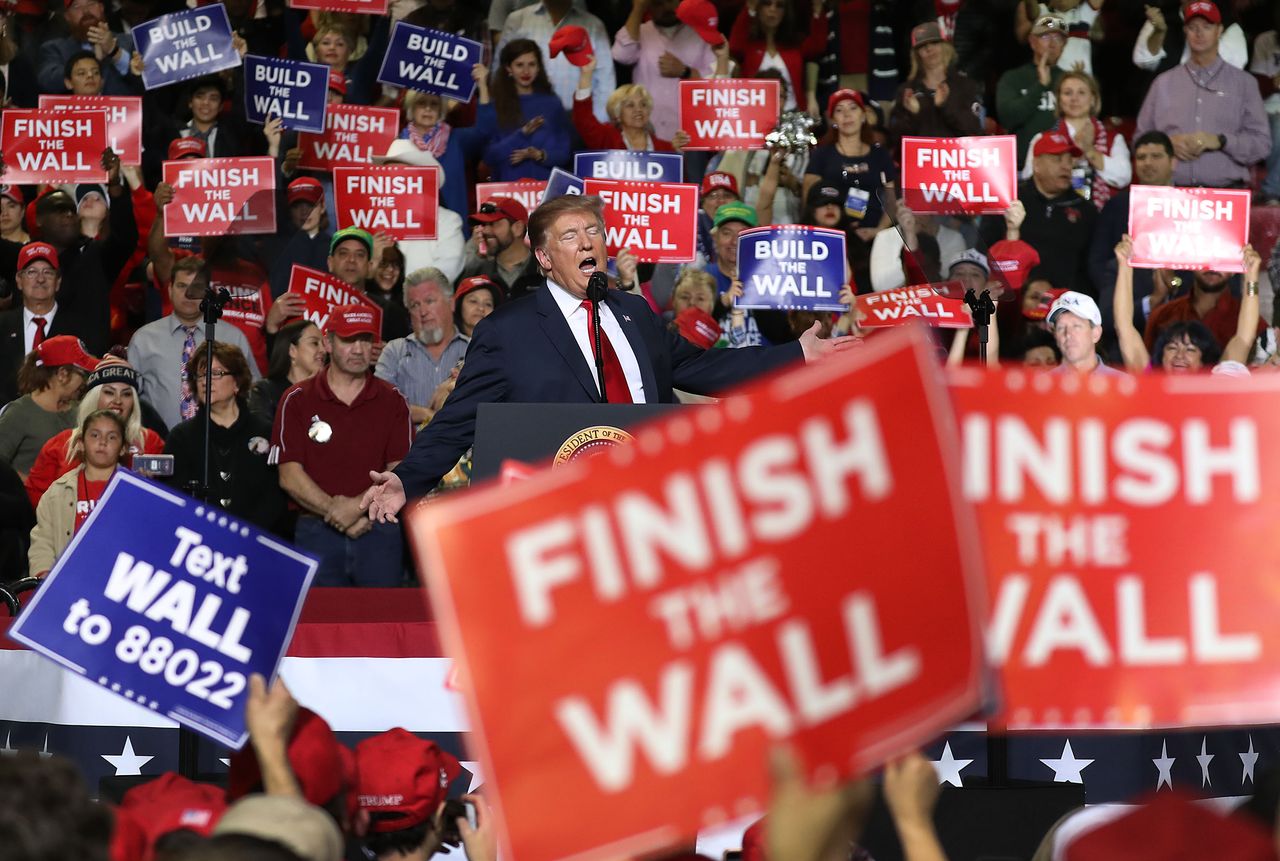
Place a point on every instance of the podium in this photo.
(532, 433)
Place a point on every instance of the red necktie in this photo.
(39, 336)
(615, 381)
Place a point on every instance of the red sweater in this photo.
(598, 135)
(750, 52)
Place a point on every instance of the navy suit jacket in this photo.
(524, 353)
(12, 342)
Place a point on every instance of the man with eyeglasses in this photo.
(501, 253)
(1025, 100)
(88, 31)
(41, 315)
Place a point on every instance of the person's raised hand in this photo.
(111, 164)
(1043, 73)
(1084, 137)
(735, 291)
(163, 194)
(273, 131)
(269, 713)
(241, 46)
(910, 100)
(847, 296)
(627, 265)
(1156, 17)
(1252, 264)
(585, 73)
(381, 242)
(1124, 250)
(810, 823)
(481, 842)
(385, 498)
(289, 166)
(136, 64)
(680, 140)
(1015, 215)
(815, 347)
(911, 790)
(671, 66)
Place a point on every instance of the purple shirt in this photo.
(681, 41)
(1220, 99)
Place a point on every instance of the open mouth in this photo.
(587, 265)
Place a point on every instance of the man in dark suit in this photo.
(40, 316)
(537, 350)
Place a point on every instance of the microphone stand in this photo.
(211, 305)
(597, 287)
(982, 308)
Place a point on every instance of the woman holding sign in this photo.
(532, 129)
(1105, 167)
(1186, 346)
(99, 443)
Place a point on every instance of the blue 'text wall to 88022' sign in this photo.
(171, 604)
(185, 45)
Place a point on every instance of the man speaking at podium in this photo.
(539, 350)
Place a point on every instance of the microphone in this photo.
(597, 286)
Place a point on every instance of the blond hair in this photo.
(614, 106)
(1089, 81)
(948, 59)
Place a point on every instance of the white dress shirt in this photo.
(29, 327)
(576, 316)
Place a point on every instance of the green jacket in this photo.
(1024, 107)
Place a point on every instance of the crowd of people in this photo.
(104, 310)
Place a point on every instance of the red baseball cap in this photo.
(402, 779)
(186, 148)
(305, 188)
(314, 751)
(64, 350)
(1173, 826)
(698, 328)
(498, 208)
(172, 802)
(478, 282)
(720, 179)
(347, 321)
(338, 82)
(701, 16)
(14, 193)
(1014, 261)
(1055, 143)
(845, 95)
(575, 43)
(33, 251)
(128, 837)
(1202, 9)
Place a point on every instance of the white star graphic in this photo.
(1165, 764)
(949, 768)
(1249, 760)
(1066, 769)
(226, 762)
(127, 763)
(477, 776)
(7, 750)
(46, 753)
(1204, 759)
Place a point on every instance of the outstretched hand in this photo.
(385, 498)
(815, 348)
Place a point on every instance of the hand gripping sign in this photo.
(791, 268)
(674, 586)
(53, 146)
(323, 292)
(185, 45)
(732, 113)
(1188, 228)
(213, 196)
(658, 221)
(528, 191)
(353, 135)
(969, 176)
(395, 199)
(634, 166)
(432, 61)
(170, 604)
(1131, 563)
(296, 93)
(124, 120)
(919, 304)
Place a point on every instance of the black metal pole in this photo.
(982, 308)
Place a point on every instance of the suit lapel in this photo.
(556, 328)
(638, 345)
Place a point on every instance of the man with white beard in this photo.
(419, 363)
